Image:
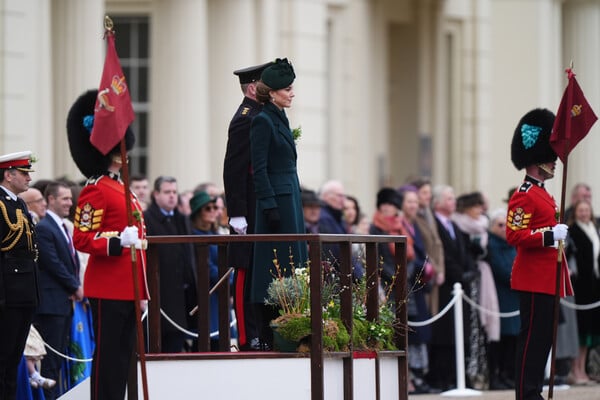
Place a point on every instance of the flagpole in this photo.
(561, 217)
(108, 27)
(136, 288)
(558, 280)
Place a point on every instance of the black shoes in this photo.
(255, 344)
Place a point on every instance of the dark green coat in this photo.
(273, 154)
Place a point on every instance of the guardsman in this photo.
(241, 203)
(19, 292)
(532, 227)
(101, 231)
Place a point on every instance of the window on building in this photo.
(132, 39)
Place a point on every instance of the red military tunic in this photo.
(531, 216)
(100, 217)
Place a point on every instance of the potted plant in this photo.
(292, 329)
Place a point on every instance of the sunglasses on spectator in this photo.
(210, 208)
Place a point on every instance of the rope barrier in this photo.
(489, 312)
(52, 349)
(579, 307)
(435, 317)
(510, 314)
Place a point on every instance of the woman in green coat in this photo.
(277, 188)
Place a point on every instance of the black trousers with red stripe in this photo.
(114, 331)
(533, 344)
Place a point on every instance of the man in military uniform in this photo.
(101, 231)
(533, 229)
(241, 202)
(19, 293)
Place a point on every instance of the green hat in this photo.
(279, 75)
(199, 200)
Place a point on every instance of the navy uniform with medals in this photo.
(19, 291)
(533, 229)
(241, 203)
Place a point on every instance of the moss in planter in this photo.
(292, 327)
(359, 334)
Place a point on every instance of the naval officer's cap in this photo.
(20, 161)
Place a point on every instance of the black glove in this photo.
(273, 219)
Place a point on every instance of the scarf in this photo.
(393, 225)
(590, 231)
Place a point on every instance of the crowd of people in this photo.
(77, 239)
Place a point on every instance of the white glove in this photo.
(129, 236)
(560, 232)
(239, 224)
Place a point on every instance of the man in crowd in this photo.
(177, 274)
(59, 280)
(331, 221)
(36, 203)
(458, 267)
(141, 187)
(19, 295)
(312, 210)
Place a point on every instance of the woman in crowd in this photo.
(352, 213)
(583, 253)
(419, 274)
(388, 221)
(435, 249)
(484, 327)
(204, 222)
(500, 257)
(277, 188)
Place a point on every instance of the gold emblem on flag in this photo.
(576, 110)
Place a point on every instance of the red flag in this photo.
(574, 119)
(113, 112)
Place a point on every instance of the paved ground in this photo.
(588, 392)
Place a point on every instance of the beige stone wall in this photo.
(377, 81)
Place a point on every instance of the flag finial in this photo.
(108, 23)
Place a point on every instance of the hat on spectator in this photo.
(199, 200)
(21, 161)
(469, 200)
(309, 198)
(388, 195)
(279, 74)
(531, 140)
(80, 121)
(251, 74)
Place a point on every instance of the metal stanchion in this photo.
(461, 389)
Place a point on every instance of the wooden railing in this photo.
(315, 244)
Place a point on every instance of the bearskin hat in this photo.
(531, 140)
(88, 158)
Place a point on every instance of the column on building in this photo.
(233, 44)
(181, 97)
(580, 45)
(77, 59)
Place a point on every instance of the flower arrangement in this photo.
(291, 294)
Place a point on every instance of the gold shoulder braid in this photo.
(16, 230)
